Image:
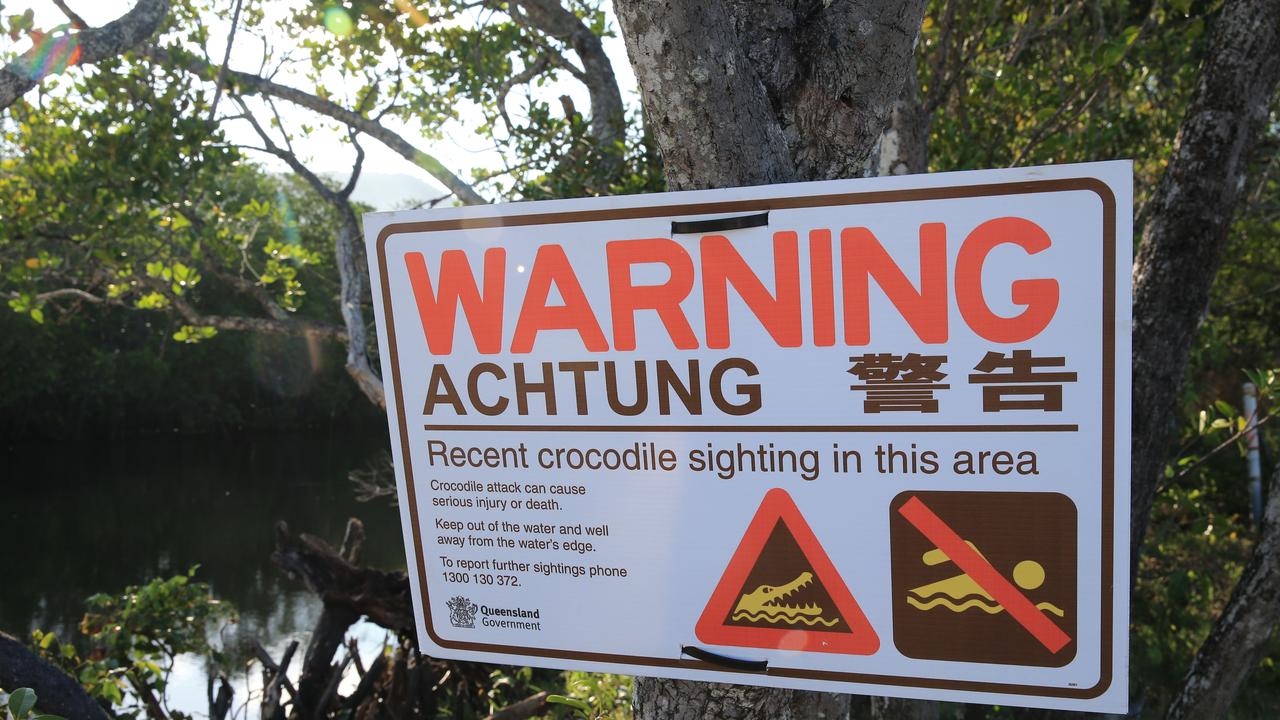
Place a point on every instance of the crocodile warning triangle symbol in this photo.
(781, 592)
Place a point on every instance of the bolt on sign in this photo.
(863, 436)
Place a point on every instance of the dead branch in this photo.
(526, 708)
(279, 678)
(381, 596)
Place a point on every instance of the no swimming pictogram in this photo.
(781, 591)
(984, 576)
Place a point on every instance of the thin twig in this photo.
(77, 22)
(1249, 426)
(226, 58)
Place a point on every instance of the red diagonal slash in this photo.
(987, 577)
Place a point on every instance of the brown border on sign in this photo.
(1089, 184)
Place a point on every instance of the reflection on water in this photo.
(87, 517)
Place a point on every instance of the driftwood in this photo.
(383, 597)
(58, 693)
(526, 708)
(220, 701)
(274, 678)
(402, 685)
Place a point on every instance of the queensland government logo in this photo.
(462, 612)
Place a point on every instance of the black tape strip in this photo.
(721, 660)
(720, 224)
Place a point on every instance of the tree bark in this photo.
(884, 708)
(748, 92)
(94, 45)
(682, 700)
(351, 274)
(1190, 214)
(904, 150)
(1240, 635)
(904, 146)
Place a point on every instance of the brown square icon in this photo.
(984, 577)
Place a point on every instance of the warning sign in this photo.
(863, 436)
(984, 576)
(781, 591)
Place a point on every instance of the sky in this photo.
(460, 149)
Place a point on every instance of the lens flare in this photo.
(338, 21)
(51, 55)
(289, 219)
(416, 18)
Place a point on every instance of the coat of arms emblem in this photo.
(462, 612)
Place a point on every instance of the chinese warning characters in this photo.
(910, 382)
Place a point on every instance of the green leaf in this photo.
(571, 702)
(1112, 53)
(21, 701)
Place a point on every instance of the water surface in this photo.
(87, 517)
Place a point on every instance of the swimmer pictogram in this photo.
(984, 576)
(962, 593)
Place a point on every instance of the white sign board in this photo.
(866, 436)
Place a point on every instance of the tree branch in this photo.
(608, 124)
(236, 323)
(526, 708)
(226, 58)
(94, 45)
(255, 85)
(69, 292)
(1251, 425)
(77, 22)
(383, 597)
(350, 273)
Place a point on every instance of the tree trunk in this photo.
(56, 691)
(883, 708)
(1189, 215)
(904, 147)
(904, 150)
(749, 92)
(1239, 637)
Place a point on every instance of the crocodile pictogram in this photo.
(765, 604)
